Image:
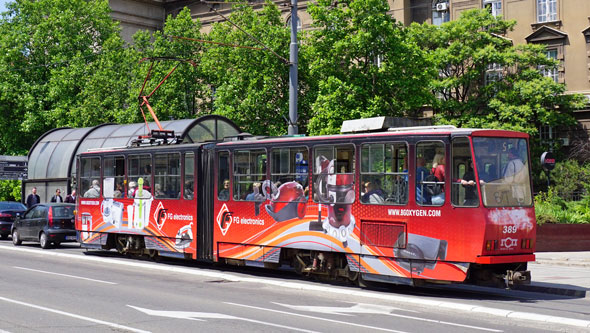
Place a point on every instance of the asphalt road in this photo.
(68, 290)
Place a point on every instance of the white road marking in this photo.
(198, 315)
(453, 306)
(344, 311)
(66, 275)
(315, 318)
(375, 309)
(67, 314)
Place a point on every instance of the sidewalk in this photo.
(561, 273)
(580, 259)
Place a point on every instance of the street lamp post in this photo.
(293, 49)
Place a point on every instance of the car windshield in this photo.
(12, 205)
(63, 211)
(503, 168)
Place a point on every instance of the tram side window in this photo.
(189, 176)
(333, 174)
(139, 167)
(114, 177)
(223, 183)
(167, 176)
(430, 173)
(249, 174)
(384, 174)
(290, 165)
(90, 177)
(464, 186)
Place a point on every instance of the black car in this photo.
(9, 210)
(51, 223)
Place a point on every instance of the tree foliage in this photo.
(364, 64)
(10, 190)
(184, 93)
(251, 87)
(517, 96)
(54, 51)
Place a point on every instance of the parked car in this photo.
(51, 223)
(9, 210)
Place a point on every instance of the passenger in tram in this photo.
(132, 189)
(438, 167)
(468, 182)
(374, 194)
(189, 190)
(93, 191)
(224, 193)
(438, 171)
(254, 194)
(514, 164)
(158, 191)
(119, 190)
(422, 195)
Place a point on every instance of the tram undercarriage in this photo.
(331, 266)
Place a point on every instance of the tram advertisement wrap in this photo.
(168, 225)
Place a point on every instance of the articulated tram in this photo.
(404, 205)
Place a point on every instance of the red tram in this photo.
(406, 205)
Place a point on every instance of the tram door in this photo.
(205, 201)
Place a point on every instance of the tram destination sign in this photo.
(13, 167)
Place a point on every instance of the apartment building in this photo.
(562, 25)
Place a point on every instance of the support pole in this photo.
(293, 85)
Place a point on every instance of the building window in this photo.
(546, 133)
(546, 10)
(493, 6)
(493, 73)
(419, 10)
(550, 71)
(440, 13)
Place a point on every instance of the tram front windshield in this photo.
(503, 168)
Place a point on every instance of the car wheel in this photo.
(44, 241)
(16, 238)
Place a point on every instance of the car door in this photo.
(38, 221)
(23, 225)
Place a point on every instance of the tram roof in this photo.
(52, 156)
(402, 131)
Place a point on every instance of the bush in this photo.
(551, 208)
(10, 190)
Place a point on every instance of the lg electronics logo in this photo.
(224, 219)
(508, 243)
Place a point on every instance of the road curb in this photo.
(577, 293)
(561, 262)
(320, 288)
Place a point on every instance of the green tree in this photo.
(363, 64)
(10, 190)
(53, 60)
(481, 79)
(184, 94)
(251, 86)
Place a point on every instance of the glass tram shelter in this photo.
(52, 157)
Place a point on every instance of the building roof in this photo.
(52, 156)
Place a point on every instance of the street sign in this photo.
(548, 161)
(13, 167)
